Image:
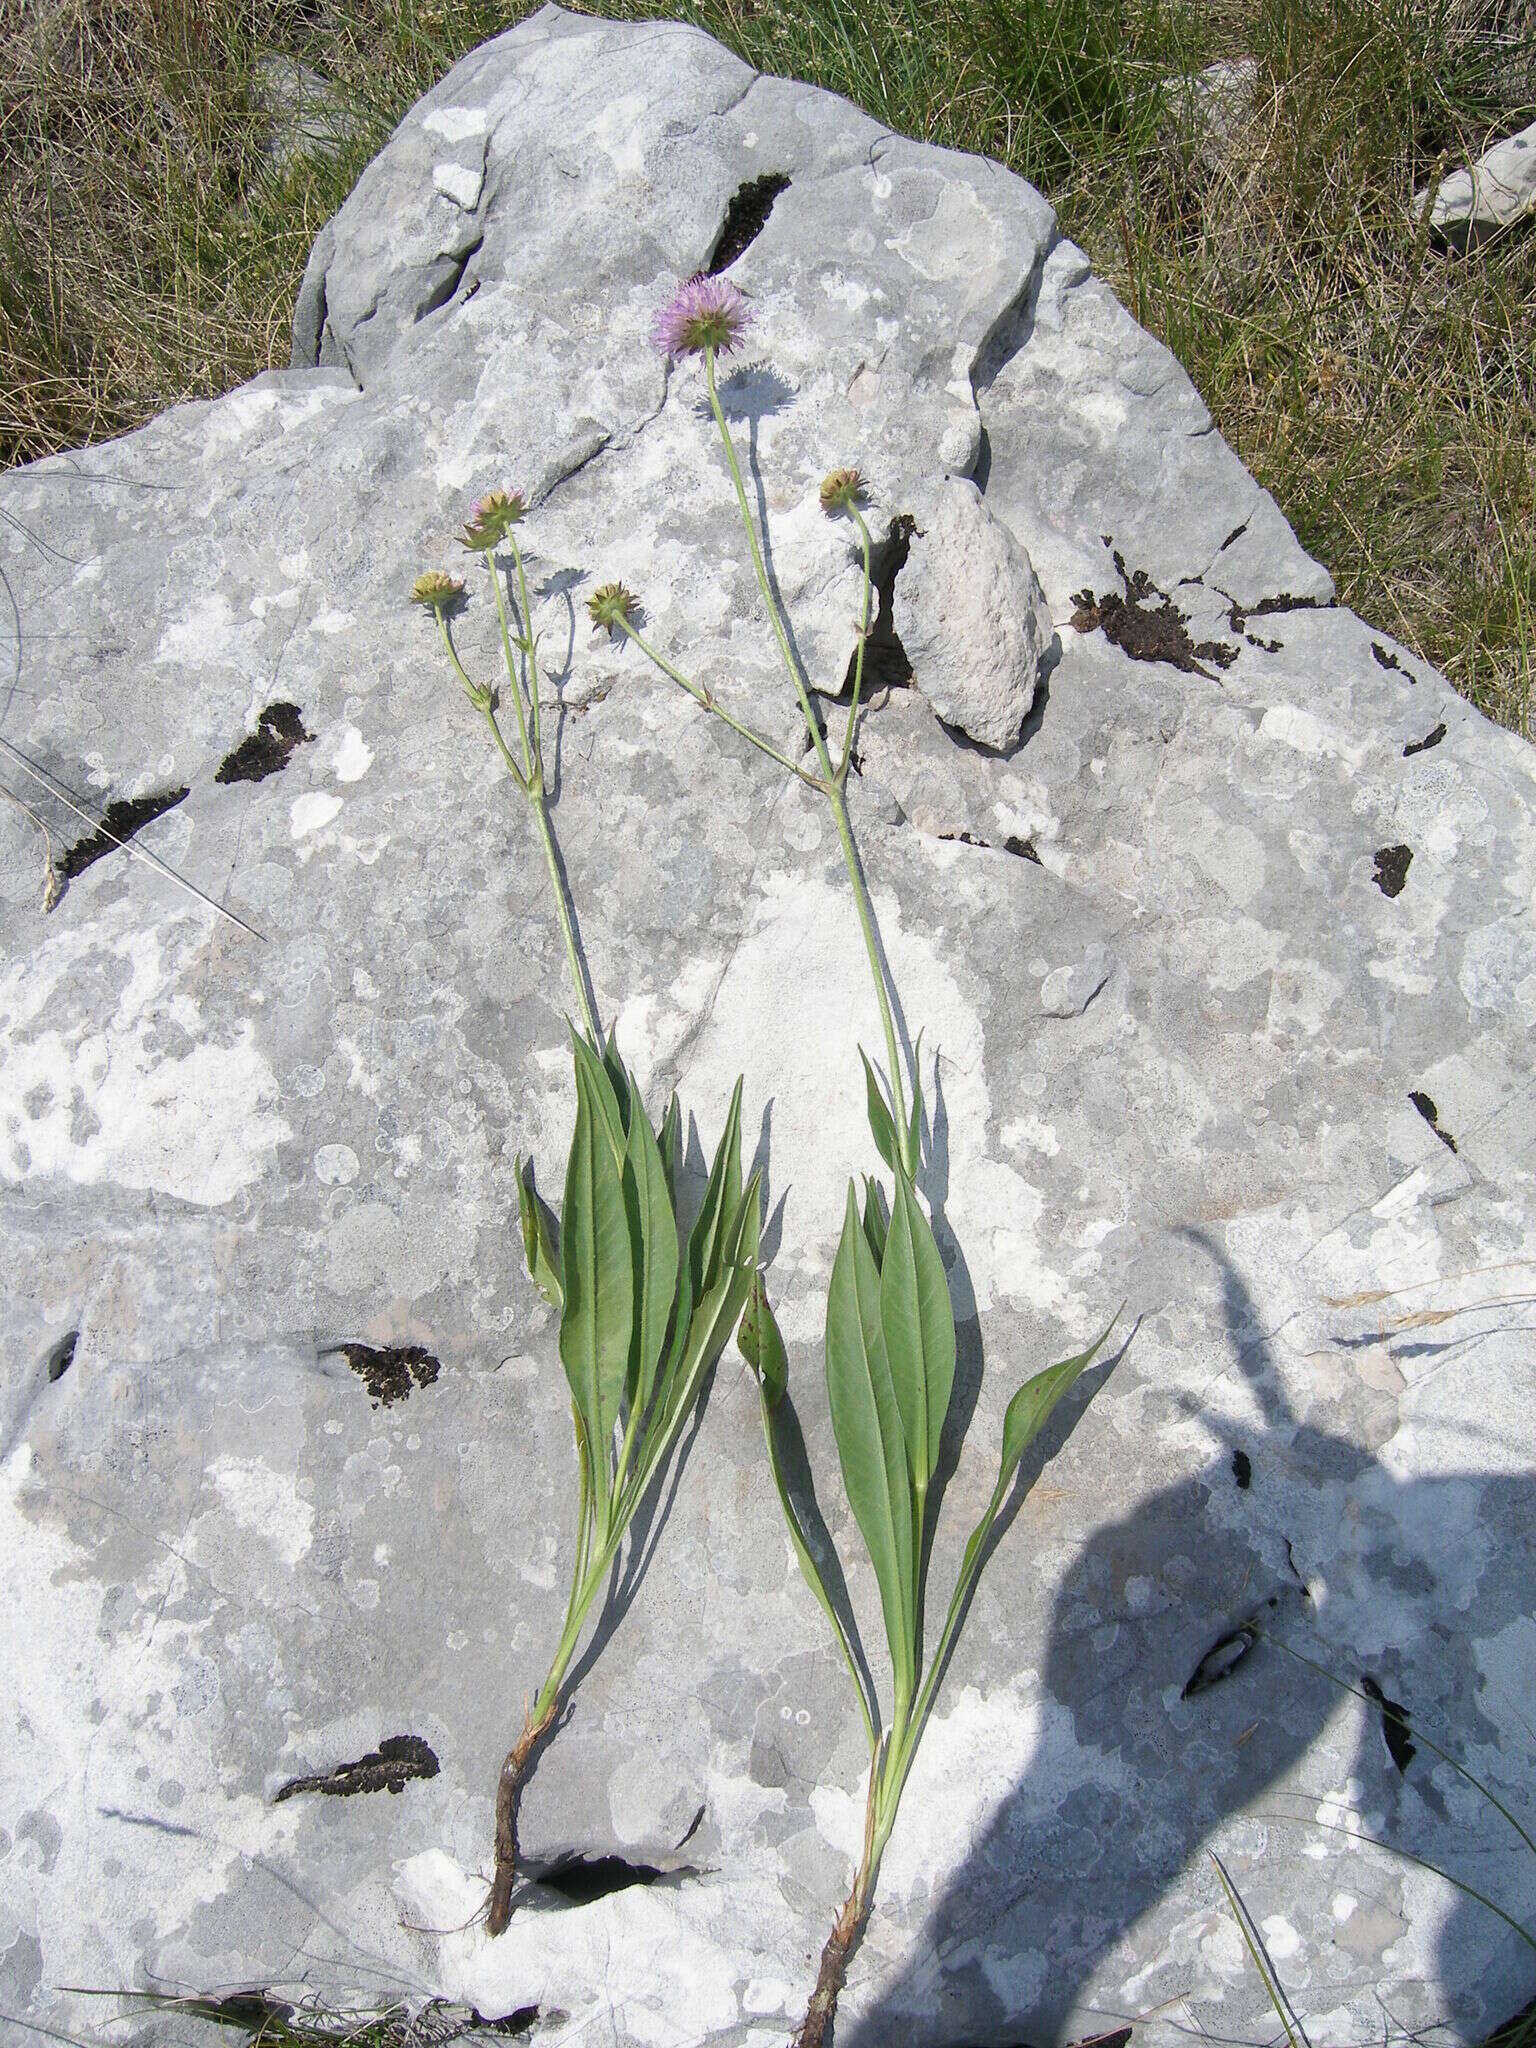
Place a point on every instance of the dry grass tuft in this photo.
(1383, 388)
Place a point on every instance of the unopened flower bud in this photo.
(611, 605)
(492, 519)
(437, 590)
(841, 490)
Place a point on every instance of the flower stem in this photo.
(532, 783)
(709, 702)
(832, 780)
(858, 658)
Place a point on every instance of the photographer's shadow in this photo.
(1166, 1654)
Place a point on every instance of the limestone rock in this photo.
(1495, 192)
(971, 616)
(286, 1482)
(305, 112)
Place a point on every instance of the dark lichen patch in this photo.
(1265, 646)
(279, 729)
(120, 821)
(61, 1357)
(1385, 658)
(1024, 848)
(745, 219)
(1148, 630)
(390, 1372)
(1394, 1725)
(389, 1768)
(1392, 863)
(1430, 739)
(1425, 1105)
(582, 1879)
(1266, 607)
(1242, 1470)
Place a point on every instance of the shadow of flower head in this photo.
(754, 392)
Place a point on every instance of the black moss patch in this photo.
(1430, 739)
(745, 219)
(1425, 1105)
(279, 729)
(389, 1768)
(1394, 1725)
(1148, 626)
(120, 821)
(1024, 848)
(1242, 1470)
(392, 1372)
(1392, 863)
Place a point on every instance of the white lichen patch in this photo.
(459, 183)
(140, 1098)
(354, 757)
(265, 1502)
(455, 124)
(312, 812)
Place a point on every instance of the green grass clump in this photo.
(1382, 387)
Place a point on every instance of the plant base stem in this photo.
(509, 1789)
(835, 1957)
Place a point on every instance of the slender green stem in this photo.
(834, 789)
(530, 648)
(781, 634)
(535, 765)
(858, 656)
(708, 702)
(563, 912)
(905, 1146)
(584, 1593)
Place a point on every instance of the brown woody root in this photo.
(841, 1943)
(509, 1788)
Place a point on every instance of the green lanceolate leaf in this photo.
(882, 1127)
(871, 1447)
(653, 1237)
(722, 1198)
(604, 1102)
(876, 1217)
(618, 1075)
(666, 1140)
(597, 1274)
(918, 1323)
(705, 1333)
(1027, 1414)
(762, 1346)
(541, 1236)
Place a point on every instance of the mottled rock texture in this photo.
(286, 1501)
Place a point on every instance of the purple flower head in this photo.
(706, 312)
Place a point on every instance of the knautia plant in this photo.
(643, 1316)
(890, 1327)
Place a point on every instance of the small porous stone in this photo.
(971, 616)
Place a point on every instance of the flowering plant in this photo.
(643, 1316)
(890, 1327)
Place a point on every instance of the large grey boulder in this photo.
(286, 1500)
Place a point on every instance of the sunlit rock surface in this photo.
(1227, 975)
